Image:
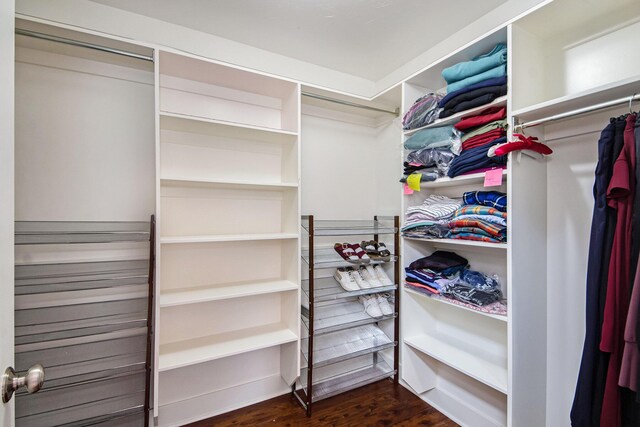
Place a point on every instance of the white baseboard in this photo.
(219, 402)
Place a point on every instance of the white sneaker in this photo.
(361, 280)
(382, 276)
(347, 279)
(371, 306)
(369, 274)
(385, 307)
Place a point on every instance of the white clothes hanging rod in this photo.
(350, 104)
(579, 111)
(78, 43)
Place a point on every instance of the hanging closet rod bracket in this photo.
(577, 112)
(395, 112)
(78, 43)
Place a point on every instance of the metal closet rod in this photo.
(78, 43)
(350, 104)
(580, 111)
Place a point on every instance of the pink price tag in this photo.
(407, 190)
(493, 178)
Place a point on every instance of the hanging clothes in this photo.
(619, 197)
(583, 402)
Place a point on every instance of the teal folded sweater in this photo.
(499, 71)
(478, 65)
(438, 137)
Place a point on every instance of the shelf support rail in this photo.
(395, 112)
(577, 112)
(79, 43)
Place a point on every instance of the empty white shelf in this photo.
(468, 360)
(198, 350)
(460, 242)
(227, 238)
(498, 102)
(608, 92)
(224, 291)
(195, 124)
(207, 182)
(471, 179)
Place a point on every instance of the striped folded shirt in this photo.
(479, 210)
(492, 229)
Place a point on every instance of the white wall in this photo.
(6, 196)
(84, 141)
(349, 170)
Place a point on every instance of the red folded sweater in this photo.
(483, 138)
(482, 118)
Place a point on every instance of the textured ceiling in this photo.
(365, 38)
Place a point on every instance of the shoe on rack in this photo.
(360, 253)
(360, 279)
(346, 252)
(383, 303)
(369, 275)
(371, 306)
(346, 276)
(382, 276)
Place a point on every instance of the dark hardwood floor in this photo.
(378, 404)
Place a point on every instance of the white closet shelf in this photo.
(194, 124)
(471, 179)
(460, 242)
(498, 102)
(596, 95)
(198, 350)
(227, 238)
(225, 291)
(442, 300)
(207, 182)
(466, 360)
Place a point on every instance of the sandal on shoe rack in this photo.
(376, 250)
(351, 253)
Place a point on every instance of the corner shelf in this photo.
(483, 369)
(226, 291)
(498, 102)
(190, 352)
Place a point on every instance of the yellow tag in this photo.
(413, 181)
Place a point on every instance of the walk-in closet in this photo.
(320, 213)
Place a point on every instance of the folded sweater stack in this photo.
(483, 217)
(474, 83)
(431, 218)
(447, 275)
(481, 132)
